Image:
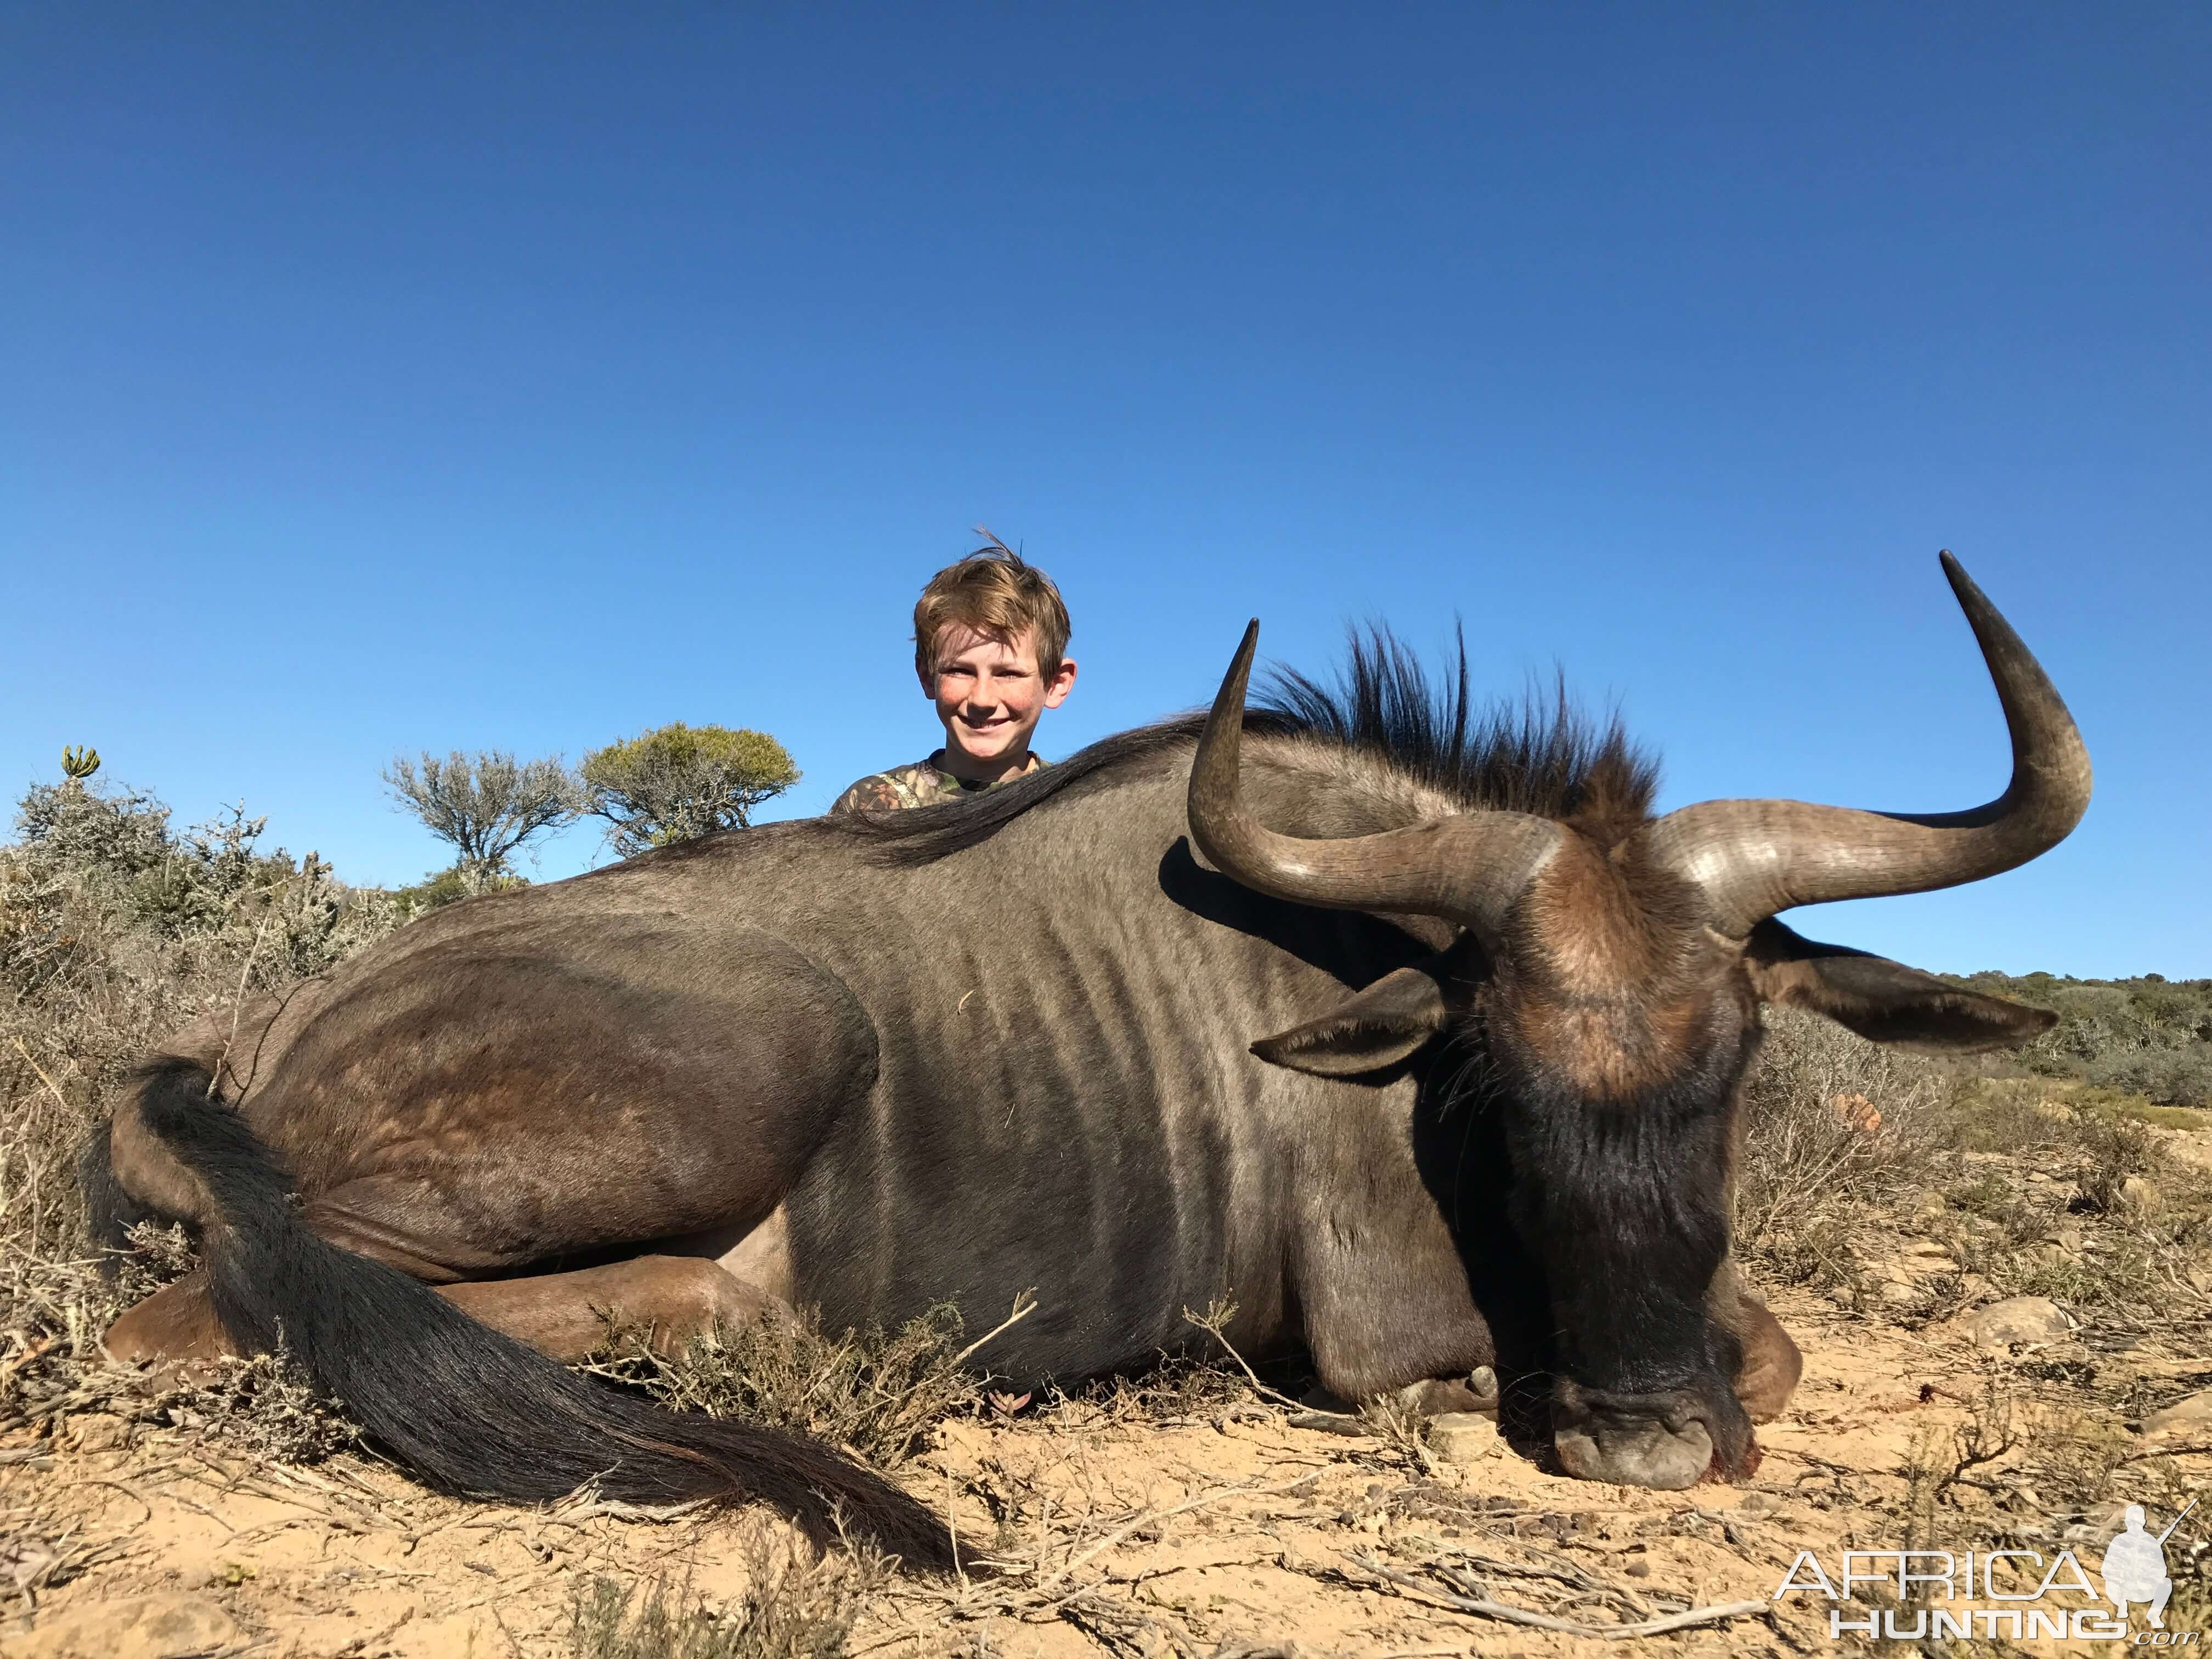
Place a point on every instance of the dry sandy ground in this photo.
(1260, 1535)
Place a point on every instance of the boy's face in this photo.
(988, 692)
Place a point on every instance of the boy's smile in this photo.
(990, 694)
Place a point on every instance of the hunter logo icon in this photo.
(2029, 1597)
(2134, 1567)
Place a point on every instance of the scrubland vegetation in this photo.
(1909, 1192)
(2146, 1036)
(1889, 1193)
(661, 787)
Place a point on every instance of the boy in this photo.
(990, 647)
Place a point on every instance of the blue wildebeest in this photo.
(1411, 1031)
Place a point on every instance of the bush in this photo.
(2165, 1077)
(1831, 1121)
(880, 1395)
(486, 805)
(2149, 1035)
(450, 886)
(792, 1608)
(1848, 1147)
(681, 782)
(93, 868)
(114, 931)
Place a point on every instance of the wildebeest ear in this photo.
(1882, 1000)
(1381, 1025)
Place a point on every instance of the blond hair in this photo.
(998, 593)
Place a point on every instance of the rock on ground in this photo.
(2190, 1419)
(2019, 1319)
(1463, 1437)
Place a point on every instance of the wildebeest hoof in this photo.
(174, 1328)
(1445, 1396)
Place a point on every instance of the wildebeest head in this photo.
(1610, 972)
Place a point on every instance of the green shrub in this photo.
(2165, 1077)
(680, 781)
(449, 886)
(2149, 1037)
(1841, 1136)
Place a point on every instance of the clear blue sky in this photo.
(381, 378)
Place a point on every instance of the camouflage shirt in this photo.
(924, 783)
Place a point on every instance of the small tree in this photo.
(683, 781)
(487, 804)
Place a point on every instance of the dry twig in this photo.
(1505, 1612)
(1025, 1303)
(1205, 1500)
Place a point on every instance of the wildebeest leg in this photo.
(677, 1290)
(1771, 1364)
(569, 1314)
(563, 1314)
(1442, 1395)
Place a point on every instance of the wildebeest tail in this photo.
(468, 1408)
(110, 1211)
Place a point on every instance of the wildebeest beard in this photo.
(1591, 1232)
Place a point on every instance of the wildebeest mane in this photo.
(1538, 754)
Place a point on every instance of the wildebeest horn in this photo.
(1467, 869)
(1756, 857)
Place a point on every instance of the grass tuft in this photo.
(791, 1609)
(878, 1393)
